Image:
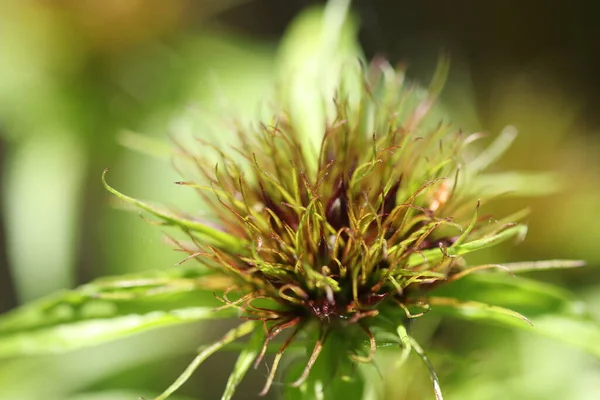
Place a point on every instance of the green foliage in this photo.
(108, 309)
(553, 312)
(205, 352)
(206, 233)
(243, 363)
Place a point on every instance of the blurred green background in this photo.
(84, 82)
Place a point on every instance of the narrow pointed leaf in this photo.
(316, 50)
(408, 342)
(495, 150)
(145, 144)
(530, 266)
(435, 255)
(211, 235)
(234, 334)
(517, 183)
(476, 310)
(553, 311)
(243, 363)
(108, 309)
(71, 336)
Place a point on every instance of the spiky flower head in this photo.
(332, 223)
(343, 241)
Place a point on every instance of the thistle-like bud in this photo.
(345, 245)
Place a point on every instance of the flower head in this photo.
(345, 243)
(334, 223)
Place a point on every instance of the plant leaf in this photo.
(516, 183)
(530, 266)
(145, 144)
(435, 255)
(210, 235)
(243, 363)
(495, 150)
(314, 54)
(553, 311)
(234, 334)
(476, 310)
(408, 342)
(108, 309)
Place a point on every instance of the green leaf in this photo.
(531, 266)
(145, 144)
(516, 183)
(108, 309)
(210, 235)
(498, 147)
(553, 311)
(234, 334)
(318, 48)
(475, 310)
(408, 342)
(435, 255)
(243, 363)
